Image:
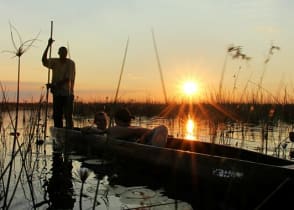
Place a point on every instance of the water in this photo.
(51, 180)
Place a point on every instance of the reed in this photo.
(234, 52)
(24, 151)
(83, 175)
(19, 50)
(206, 110)
(270, 53)
(96, 193)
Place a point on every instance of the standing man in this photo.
(61, 86)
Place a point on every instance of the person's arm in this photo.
(140, 131)
(45, 53)
(146, 136)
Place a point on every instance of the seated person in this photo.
(100, 124)
(123, 130)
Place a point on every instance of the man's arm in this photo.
(44, 57)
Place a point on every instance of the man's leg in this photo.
(68, 111)
(57, 111)
(159, 137)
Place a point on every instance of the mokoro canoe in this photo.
(240, 178)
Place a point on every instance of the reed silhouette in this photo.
(19, 49)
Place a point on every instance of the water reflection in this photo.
(190, 129)
(120, 188)
(112, 186)
(60, 187)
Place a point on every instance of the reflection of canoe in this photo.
(233, 176)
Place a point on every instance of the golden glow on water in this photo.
(190, 129)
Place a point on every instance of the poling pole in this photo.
(47, 90)
(159, 67)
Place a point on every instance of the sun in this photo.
(190, 88)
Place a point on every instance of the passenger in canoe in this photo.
(124, 130)
(99, 126)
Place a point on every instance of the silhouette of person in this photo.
(100, 124)
(61, 86)
(124, 130)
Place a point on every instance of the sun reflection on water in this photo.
(190, 129)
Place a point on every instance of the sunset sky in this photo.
(192, 38)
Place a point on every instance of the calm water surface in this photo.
(50, 180)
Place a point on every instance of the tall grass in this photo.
(23, 149)
(19, 50)
(270, 53)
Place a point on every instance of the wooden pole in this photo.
(159, 67)
(121, 71)
(47, 90)
(118, 85)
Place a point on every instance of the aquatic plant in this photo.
(83, 174)
(96, 193)
(270, 53)
(235, 52)
(19, 50)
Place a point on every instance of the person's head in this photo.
(101, 120)
(123, 117)
(62, 52)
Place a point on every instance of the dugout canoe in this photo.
(240, 178)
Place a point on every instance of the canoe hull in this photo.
(229, 180)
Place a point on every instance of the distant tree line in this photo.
(250, 113)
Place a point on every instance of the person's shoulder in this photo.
(70, 61)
